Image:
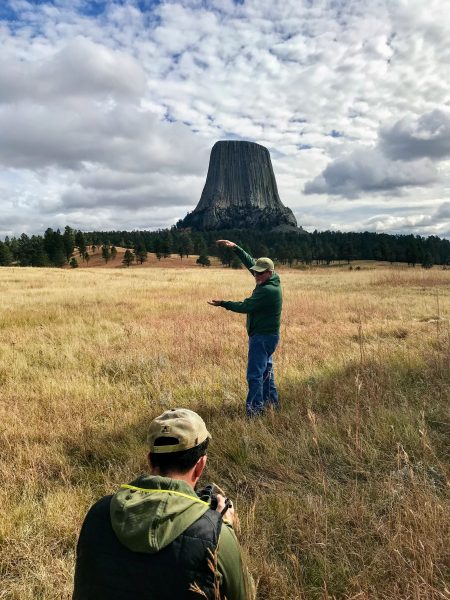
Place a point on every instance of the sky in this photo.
(109, 109)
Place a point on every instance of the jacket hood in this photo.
(274, 280)
(152, 511)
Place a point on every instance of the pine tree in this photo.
(140, 252)
(185, 246)
(6, 256)
(200, 246)
(203, 260)
(80, 242)
(166, 247)
(106, 254)
(69, 241)
(31, 251)
(226, 255)
(54, 247)
(427, 261)
(128, 258)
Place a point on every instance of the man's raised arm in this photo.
(247, 260)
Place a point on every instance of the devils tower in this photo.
(240, 191)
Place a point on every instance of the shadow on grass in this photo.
(354, 420)
(99, 450)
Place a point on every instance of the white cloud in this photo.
(417, 136)
(154, 190)
(106, 110)
(121, 136)
(436, 222)
(402, 158)
(81, 68)
(367, 170)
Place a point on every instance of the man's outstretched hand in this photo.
(226, 509)
(215, 302)
(226, 243)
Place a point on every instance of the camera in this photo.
(209, 494)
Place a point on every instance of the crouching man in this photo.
(155, 538)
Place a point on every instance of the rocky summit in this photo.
(240, 191)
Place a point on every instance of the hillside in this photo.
(171, 262)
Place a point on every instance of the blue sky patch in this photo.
(89, 8)
(7, 13)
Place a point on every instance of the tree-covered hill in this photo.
(56, 248)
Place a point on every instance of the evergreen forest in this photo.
(58, 248)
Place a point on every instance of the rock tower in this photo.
(240, 191)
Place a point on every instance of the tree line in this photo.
(56, 248)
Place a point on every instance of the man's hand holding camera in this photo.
(226, 508)
(217, 500)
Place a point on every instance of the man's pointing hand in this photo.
(226, 243)
(215, 302)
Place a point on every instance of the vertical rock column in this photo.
(240, 191)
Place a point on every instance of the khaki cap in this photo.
(183, 424)
(263, 264)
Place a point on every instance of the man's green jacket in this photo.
(263, 307)
(147, 522)
(144, 519)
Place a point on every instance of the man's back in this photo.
(108, 570)
(155, 538)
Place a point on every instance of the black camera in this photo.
(209, 494)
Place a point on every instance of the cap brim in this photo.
(259, 269)
(179, 447)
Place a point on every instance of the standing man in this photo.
(155, 538)
(263, 310)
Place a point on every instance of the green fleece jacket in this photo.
(158, 510)
(263, 307)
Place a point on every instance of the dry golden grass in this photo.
(343, 494)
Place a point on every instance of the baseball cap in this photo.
(180, 424)
(263, 264)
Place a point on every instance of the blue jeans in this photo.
(261, 384)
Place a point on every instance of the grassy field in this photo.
(343, 494)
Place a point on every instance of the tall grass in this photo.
(342, 494)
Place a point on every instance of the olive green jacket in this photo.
(159, 510)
